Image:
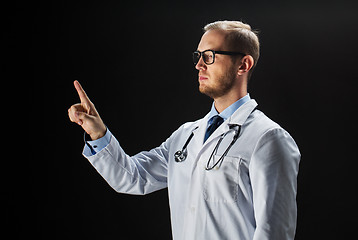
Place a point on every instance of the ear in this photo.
(247, 62)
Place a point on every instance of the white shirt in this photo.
(252, 195)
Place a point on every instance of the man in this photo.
(231, 174)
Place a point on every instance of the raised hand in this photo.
(86, 115)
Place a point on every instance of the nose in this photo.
(200, 65)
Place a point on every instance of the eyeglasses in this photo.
(209, 55)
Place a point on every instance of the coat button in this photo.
(192, 209)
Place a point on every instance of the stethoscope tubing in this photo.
(236, 136)
(181, 155)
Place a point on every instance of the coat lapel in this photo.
(200, 132)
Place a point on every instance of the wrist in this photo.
(98, 135)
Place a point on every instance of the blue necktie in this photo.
(217, 121)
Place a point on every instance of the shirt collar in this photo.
(229, 110)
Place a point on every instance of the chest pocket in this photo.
(221, 185)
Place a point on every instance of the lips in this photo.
(201, 78)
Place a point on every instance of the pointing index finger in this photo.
(81, 93)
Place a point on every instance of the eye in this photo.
(208, 57)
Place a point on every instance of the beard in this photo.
(221, 86)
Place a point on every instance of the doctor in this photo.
(231, 174)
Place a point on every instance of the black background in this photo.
(134, 61)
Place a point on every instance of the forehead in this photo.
(212, 39)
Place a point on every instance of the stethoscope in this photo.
(181, 155)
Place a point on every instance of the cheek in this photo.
(215, 73)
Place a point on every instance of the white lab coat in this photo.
(252, 195)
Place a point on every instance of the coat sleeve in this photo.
(273, 173)
(141, 174)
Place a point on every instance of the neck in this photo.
(223, 102)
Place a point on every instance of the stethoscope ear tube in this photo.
(236, 136)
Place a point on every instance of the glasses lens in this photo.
(196, 57)
(208, 57)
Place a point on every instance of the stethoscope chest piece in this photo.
(180, 155)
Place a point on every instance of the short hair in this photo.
(240, 37)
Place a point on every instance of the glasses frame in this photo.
(214, 52)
